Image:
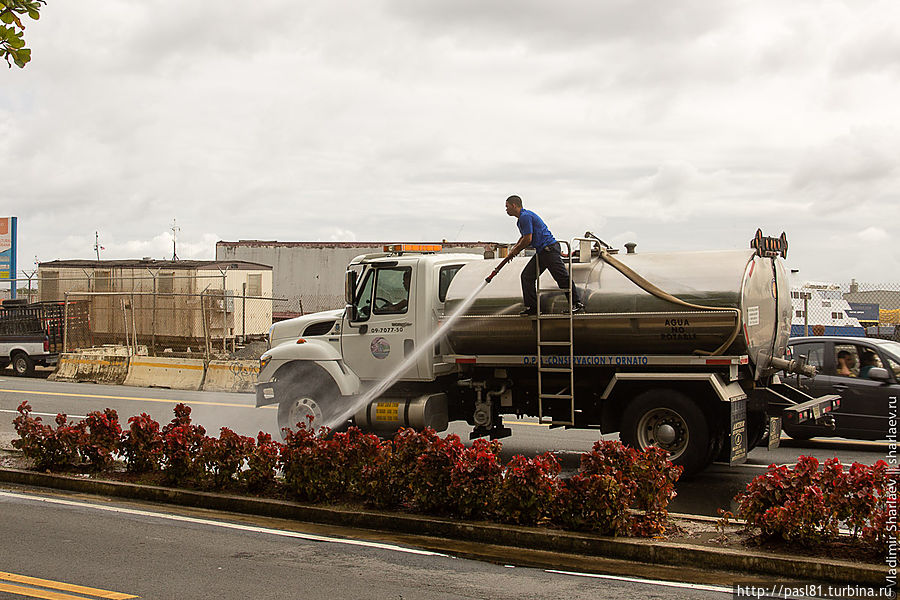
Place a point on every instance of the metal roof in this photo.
(177, 265)
(314, 245)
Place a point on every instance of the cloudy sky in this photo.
(679, 125)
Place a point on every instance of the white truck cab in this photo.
(394, 302)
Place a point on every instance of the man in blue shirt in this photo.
(535, 233)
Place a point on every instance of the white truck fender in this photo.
(318, 352)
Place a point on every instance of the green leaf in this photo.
(22, 57)
(7, 17)
(34, 14)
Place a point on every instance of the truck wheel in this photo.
(23, 364)
(669, 420)
(311, 394)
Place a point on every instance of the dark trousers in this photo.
(549, 258)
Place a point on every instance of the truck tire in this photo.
(670, 420)
(311, 393)
(23, 365)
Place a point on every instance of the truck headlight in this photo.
(263, 361)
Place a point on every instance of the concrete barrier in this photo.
(174, 373)
(92, 367)
(231, 376)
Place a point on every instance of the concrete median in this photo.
(173, 373)
(231, 376)
(91, 367)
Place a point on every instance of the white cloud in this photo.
(676, 125)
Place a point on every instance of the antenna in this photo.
(175, 230)
(97, 244)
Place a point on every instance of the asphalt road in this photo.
(125, 549)
(704, 494)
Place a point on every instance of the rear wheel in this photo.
(669, 420)
(23, 364)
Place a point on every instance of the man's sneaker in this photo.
(528, 312)
(578, 307)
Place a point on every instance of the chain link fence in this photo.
(162, 311)
(854, 308)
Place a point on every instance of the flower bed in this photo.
(808, 506)
(618, 491)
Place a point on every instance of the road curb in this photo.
(655, 552)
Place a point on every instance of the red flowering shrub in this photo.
(307, 461)
(388, 478)
(261, 463)
(526, 492)
(223, 457)
(142, 444)
(102, 438)
(593, 502)
(50, 448)
(355, 453)
(474, 479)
(182, 445)
(806, 505)
(431, 476)
(645, 482)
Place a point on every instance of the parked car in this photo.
(866, 374)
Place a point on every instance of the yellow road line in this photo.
(54, 585)
(134, 398)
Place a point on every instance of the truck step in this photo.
(557, 396)
(543, 343)
(543, 316)
(554, 370)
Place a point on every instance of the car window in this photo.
(846, 360)
(868, 359)
(445, 276)
(894, 366)
(813, 351)
(392, 290)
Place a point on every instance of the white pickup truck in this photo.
(24, 338)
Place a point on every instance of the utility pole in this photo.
(97, 244)
(175, 230)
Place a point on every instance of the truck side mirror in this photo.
(352, 313)
(349, 287)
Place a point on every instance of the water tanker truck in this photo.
(679, 350)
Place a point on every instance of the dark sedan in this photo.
(866, 374)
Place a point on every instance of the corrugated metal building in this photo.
(166, 306)
(311, 274)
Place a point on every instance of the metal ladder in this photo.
(567, 393)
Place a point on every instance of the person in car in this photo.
(846, 362)
(867, 361)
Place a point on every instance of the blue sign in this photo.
(863, 311)
(8, 252)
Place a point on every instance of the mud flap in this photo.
(738, 454)
(774, 432)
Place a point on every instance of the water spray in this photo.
(410, 360)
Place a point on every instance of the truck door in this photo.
(384, 331)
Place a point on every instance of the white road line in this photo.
(222, 524)
(40, 414)
(674, 584)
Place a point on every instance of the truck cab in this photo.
(395, 299)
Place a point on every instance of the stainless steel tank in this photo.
(621, 318)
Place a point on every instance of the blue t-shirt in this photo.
(531, 223)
